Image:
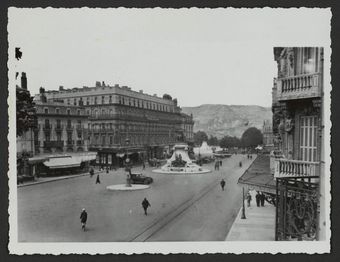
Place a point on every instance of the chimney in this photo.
(61, 88)
(97, 84)
(23, 80)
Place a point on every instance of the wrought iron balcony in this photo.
(59, 127)
(49, 144)
(80, 142)
(69, 127)
(47, 127)
(285, 168)
(299, 87)
(79, 127)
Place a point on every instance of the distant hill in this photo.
(232, 120)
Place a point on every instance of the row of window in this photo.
(122, 100)
(57, 111)
(47, 124)
(133, 140)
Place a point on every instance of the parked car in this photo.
(138, 178)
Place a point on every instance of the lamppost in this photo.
(243, 208)
(127, 164)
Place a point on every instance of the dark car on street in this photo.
(138, 178)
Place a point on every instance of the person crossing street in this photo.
(145, 205)
(222, 184)
(98, 179)
(83, 219)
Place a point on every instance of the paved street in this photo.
(196, 207)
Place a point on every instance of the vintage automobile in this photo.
(138, 178)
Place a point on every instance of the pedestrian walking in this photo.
(220, 162)
(91, 172)
(258, 197)
(217, 165)
(145, 205)
(98, 179)
(83, 218)
(143, 165)
(107, 170)
(262, 199)
(222, 184)
(248, 199)
(240, 164)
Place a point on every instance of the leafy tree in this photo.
(252, 137)
(199, 137)
(213, 141)
(229, 142)
(26, 117)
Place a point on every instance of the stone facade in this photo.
(61, 128)
(124, 121)
(297, 101)
(298, 130)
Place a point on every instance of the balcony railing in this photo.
(49, 144)
(80, 142)
(299, 87)
(69, 127)
(59, 127)
(47, 127)
(285, 168)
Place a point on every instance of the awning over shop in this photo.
(36, 160)
(62, 162)
(258, 175)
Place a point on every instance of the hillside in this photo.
(232, 120)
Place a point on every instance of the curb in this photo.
(232, 226)
(54, 180)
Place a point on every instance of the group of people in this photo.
(260, 198)
(250, 156)
(218, 163)
(83, 215)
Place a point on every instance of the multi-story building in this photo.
(297, 124)
(125, 122)
(61, 135)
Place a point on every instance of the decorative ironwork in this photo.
(296, 217)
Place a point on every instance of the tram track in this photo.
(165, 220)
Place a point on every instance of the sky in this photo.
(199, 56)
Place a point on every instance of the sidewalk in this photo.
(42, 180)
(259, 224)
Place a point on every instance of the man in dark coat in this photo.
(258, 199)
(83, 218)
(98, 179)
(262, 198)
(145, 205)
(222, 184)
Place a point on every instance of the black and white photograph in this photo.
(169, 130)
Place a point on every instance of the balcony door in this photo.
(308, 138)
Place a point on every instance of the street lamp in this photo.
(127, 164)
(243, 208)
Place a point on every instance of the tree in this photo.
(252, 137)
(230, 142)
(199, 137)
(26, 117)
(213, 141)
